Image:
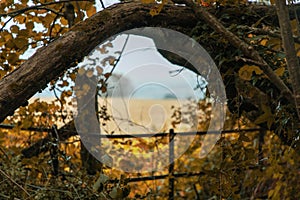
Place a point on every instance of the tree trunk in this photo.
(290, 51)
(50, 62)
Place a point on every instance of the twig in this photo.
(271, 33)
(17, 12)
(237, 58)
(14, 182)
(247, 50)
(117, 61)
(53, 23)
(6, 156)
(102, 4)
(37, 7)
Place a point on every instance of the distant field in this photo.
(139, 115)
(136, 115)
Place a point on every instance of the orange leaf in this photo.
(91, 11)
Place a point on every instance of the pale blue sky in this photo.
(147, 70)
(148, 73)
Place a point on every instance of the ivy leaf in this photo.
(247, 70)
(267, 116)
(116, 193)
(280, 71)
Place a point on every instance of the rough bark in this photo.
(289, 48)
(247, 49)
(50, 62)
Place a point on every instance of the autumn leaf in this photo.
(148, 1)
(267, 116)
(90, 73)
(91, 11)
(99, 70)
(280, 71)
(247, 70)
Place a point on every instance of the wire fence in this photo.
(171, 175)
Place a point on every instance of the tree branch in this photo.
(51, 61)
(14, 182)
(17, 12)
(271, 33)
(248, 50)
(289, 48)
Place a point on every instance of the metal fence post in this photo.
(261, 142)
(171, 165)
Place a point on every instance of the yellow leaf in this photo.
(107, 75)
(247, 70)
(86, 87)
(264, 42)
(64, 83)
(29, 25)
(111, 60)
(280, 71)
(72, 76)
(99, 70)
(90, 73)
(109, 44)
(153, 12)
(14, 29)
(12, 58)
(81, 71)
(2, 73)
(274, 43)
(294, 25)
(267, 116)
(102, 50)
(20, 42)
(156, 10)
(91, 11)
(63, 21)
(148, 1)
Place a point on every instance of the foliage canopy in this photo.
(259, 70)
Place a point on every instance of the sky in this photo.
(146, 70)
(145, 73)
(149, 71)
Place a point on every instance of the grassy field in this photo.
(131, 116)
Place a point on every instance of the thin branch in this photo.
(40, 8)
(14, 182)
(53, 23)
(247, 60)
(50, 10)
(271, 33)
(17, 12)
(117, 61)
(294, 10)
(289, 48)
(102, 4)
(6, 156)
(248, 50)
(60, 102)
(6, 23)
(36, 7)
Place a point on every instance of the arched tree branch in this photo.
(248, 50)
(50, 62)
